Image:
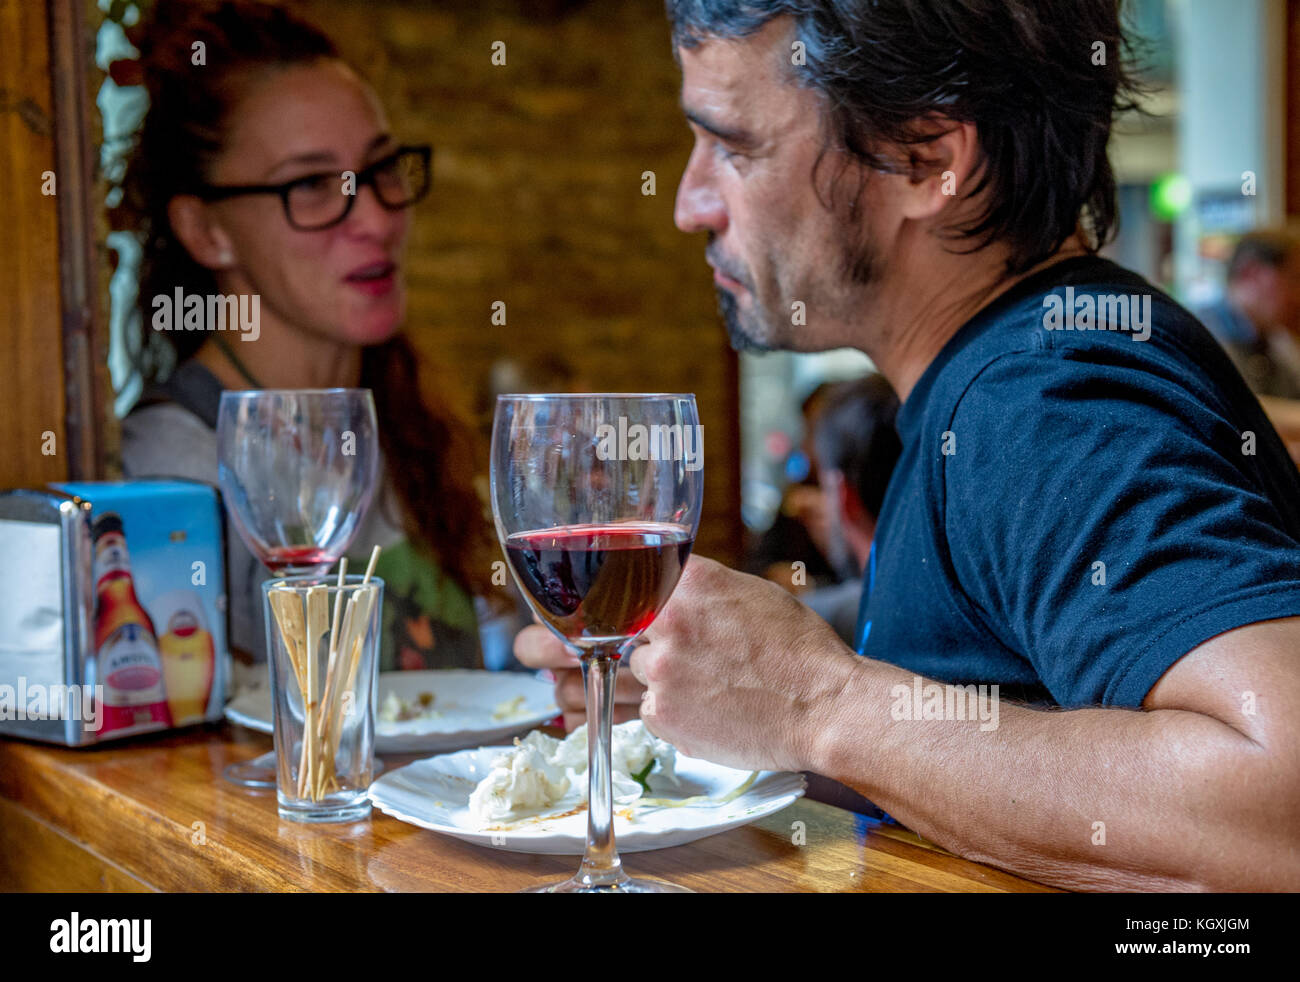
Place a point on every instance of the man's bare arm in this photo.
(1194, 792)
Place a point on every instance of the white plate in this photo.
(465, 701)
(434, 794)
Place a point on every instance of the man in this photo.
(1101, 522)
(1258, 319)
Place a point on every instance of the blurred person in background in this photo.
(1258, 319)
(1258, 324)
(275, 107)
(855, 449)
(800, 530)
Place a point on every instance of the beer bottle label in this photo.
(133, 683)
(130, 667)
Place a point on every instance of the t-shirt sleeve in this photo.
(1103, 521)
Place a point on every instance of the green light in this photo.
(1171, 195)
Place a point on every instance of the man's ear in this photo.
(193, 225)
(939, 170)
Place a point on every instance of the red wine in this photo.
(600, 583)
(296, 559)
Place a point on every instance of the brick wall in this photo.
(537, 202)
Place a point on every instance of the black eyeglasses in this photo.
(319, 201)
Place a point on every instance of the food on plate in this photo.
(395, 709)
(634, 753)
(511, 708)
(541, 772)
(522, 779)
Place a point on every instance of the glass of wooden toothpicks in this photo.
(323, 641)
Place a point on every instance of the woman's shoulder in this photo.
(172, 431)
(167, 440)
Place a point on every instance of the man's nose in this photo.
(699, 207)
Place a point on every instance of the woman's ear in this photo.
(194, 228)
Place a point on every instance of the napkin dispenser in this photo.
(113, 616)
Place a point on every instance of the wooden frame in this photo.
(50, 418)
(79, 273)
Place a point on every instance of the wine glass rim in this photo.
(248, 393)
(511, 396)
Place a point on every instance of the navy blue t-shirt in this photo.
(1075, 509)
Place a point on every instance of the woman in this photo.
(274, 105)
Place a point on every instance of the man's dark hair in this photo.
(1265, 247)
(854, 434)
(1023, 71)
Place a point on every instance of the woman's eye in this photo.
(314, 184)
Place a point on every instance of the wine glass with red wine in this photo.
(597, 501)
(297, 469)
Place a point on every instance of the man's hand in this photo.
(537, 647)
(733, 668)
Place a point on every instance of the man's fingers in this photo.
(537, 647)
(634, 665)
(570, 695)
(621, 715)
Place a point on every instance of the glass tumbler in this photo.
(323, 642)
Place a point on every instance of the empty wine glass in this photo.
(597, 500)
(297, 470)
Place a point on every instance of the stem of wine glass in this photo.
(601, 866)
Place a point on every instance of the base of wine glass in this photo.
(625, 885)
(259, 773)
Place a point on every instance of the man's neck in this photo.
(924, 310)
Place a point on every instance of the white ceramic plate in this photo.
(465, 701)
(434, 794)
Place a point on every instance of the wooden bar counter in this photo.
(155, 814)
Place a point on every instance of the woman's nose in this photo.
(369, 217)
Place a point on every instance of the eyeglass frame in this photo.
(221, 192)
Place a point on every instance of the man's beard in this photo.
(858, 261)
(858, 265)
(729, 309)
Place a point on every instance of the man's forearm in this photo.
(1085, 799)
